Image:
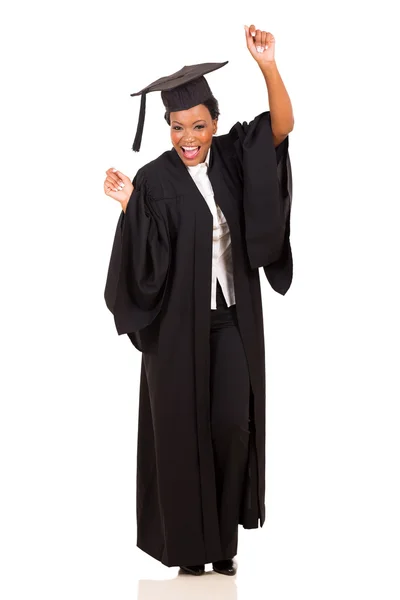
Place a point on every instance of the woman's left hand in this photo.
(261, 45)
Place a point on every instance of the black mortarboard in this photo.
(179, 91)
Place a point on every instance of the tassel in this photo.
(139, 131)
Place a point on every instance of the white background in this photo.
(69, 383)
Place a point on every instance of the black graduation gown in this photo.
(158, 289)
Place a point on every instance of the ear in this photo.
(215, 126)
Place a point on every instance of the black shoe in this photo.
(225, 567)
(194, 570)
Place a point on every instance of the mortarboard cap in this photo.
(179, 91)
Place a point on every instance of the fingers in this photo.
(112, 192)
(123, 177)
(111, 185)
(250, 38)
(263, 43)
(257, 39)
(118, 186)
(114, 179)
(270, 39)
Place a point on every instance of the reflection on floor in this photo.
(210, 586)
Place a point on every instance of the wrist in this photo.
(268, 67)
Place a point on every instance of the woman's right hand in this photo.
(118, 186)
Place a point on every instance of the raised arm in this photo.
(261, 45)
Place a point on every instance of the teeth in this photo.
(190, 147)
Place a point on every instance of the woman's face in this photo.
(192, 128)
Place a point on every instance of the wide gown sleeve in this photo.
(267, 199)
(139, 263)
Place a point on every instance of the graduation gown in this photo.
(159, 289)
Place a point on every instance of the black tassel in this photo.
(139, 131)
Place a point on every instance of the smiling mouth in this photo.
(190, 153)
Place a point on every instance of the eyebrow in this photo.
(192, 123)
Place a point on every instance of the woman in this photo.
(183, 284)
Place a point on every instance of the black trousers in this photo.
(230, 404)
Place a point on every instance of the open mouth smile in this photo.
(190, 152)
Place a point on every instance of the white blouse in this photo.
(222, 268)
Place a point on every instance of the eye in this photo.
(177, 128)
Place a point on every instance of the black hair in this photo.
(211, 104)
